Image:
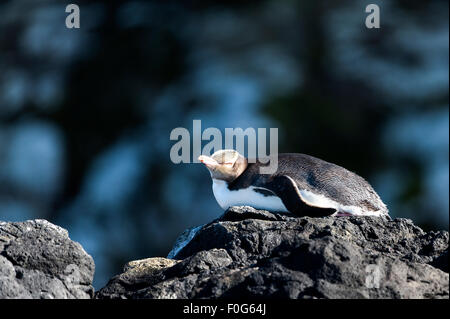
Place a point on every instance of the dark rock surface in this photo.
(38, 260)
(254, 253)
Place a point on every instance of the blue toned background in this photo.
(86, 114)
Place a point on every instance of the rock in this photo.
(137, 274)
(255, 253)
(183, 239)
(38, 260)
(148, 265)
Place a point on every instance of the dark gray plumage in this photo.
(332, 183)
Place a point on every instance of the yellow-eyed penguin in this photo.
(302, 184)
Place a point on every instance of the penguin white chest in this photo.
(252, 196)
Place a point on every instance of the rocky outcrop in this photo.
(38, 260)
(254, 253)
(244, 253)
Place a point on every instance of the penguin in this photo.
(303, 185)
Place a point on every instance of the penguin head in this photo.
(226, 165)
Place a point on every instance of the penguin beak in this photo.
(208, 161)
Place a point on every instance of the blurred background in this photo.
(86, 114)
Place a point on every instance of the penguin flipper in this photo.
(286, 189)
